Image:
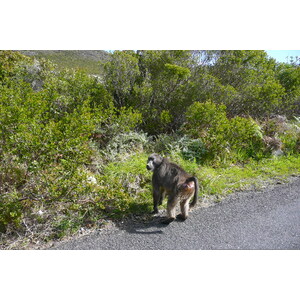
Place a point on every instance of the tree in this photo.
(252, 75)
(289, 77)
(163, 84)
(120, 75)
(153, 82)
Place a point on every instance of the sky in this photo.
(281, 55)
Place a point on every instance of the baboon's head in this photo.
(154, 161)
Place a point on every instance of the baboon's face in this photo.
(153, 162)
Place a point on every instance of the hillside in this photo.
(73, 149)
(87, 60)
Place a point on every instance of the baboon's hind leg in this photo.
(171, 209)
(184, 206)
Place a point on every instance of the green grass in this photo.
(135, 180)
(124, 189)
(223, 181)
(130, 185)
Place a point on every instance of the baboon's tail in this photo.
(195, 198)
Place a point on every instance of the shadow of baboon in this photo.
(144, 224)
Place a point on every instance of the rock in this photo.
(92, 180)
(277, 152)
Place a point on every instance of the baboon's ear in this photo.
(158, 160)
(158, 157)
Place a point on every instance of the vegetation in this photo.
(73, 147)
(90, 61)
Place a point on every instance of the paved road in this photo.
(266, 219)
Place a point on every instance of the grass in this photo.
(123, 189)
(136, 180)
(223, 181)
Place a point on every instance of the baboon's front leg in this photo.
(156, 200)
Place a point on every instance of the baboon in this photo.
(170, 179)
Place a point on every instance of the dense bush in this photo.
(73, 147)
(204, 119)
(124, 145)
(245, 138)
(208, 122)
(290, 137)
(180, 145)
(163, 84)
(236, 139)
(48, 120)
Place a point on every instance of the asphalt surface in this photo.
(266, 219)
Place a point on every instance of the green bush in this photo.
(204, 119)
(164, 143)
(193, 149)
(10, 63)
(12, 172)
(123, 145)
(282, 134)
(245, 138)
(224, 139)
(125, 186)
(208, 122)
(26, 133)
(290, 138)
(112, 122)
(46, 145)
(184, 146)
(10, 210)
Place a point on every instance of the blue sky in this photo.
(281, 55)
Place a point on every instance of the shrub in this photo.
(125, 186)
(123, 145)
(112, 122)
(274, 126)
(10, 62)
(245, 138)
(208, 121)
(165, 143)
(204, 119)
(10, 210)
(224, 139)
(291, 137)
(45, 143)
(177, 145)
(281, 134)
(193, 149)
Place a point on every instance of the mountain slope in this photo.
(87, 60)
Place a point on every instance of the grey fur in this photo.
(170, 179)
